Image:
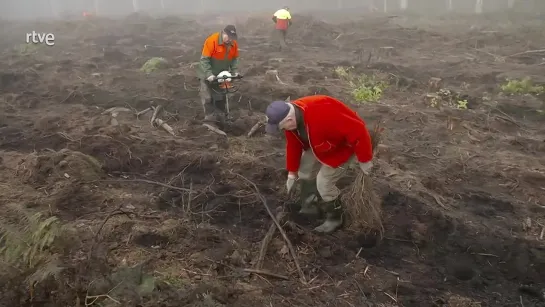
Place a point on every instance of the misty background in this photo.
(47, 9)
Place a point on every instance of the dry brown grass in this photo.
(364, 208)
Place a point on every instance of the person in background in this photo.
(219, 53)
(321, 132)
(282, 19)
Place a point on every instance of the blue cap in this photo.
(276, 112)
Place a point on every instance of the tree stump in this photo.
(434, 84)
(387, 50)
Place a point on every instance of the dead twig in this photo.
(94, 298)
(438, 201)
(509, 119)
(267, 239)
(284, 235)
(391, 296)
(143, 112)
(486, 255)
(168, 186)
(266, 273)
(116, 211)
(91, 299)
(526, 52)
(359, 288)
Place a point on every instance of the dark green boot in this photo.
(309, 197)
(334, 217)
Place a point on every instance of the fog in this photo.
(49, 9)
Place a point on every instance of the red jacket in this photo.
(282, 24)
(335, 133)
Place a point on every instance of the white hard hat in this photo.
(224, 74)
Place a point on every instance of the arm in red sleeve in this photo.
(294, 151)
(356, 134)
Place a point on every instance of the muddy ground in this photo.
(462, 189)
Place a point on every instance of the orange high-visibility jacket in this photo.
(217, 56)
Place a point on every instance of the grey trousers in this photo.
(281, 37)
(205, 93)
(326, 177)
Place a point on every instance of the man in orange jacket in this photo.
(323, 132)
(219, 53)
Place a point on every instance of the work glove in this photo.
(290, 182)
(211, 78)
(366, 167)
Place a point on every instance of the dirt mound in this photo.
(255, 25)
(50, 167)
(313, 32)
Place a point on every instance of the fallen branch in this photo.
(266, 273)
(214, 129)
(168, 186)
(256, 127)
(527, 52)
(284, 235)
(154, 116)
(267, 239)
(161, 123)
(143, 112)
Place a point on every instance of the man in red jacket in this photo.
(321, 132)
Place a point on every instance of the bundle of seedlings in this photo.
(363, 206)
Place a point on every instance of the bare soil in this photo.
(462, 190)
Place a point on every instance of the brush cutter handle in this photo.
(220, 79)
